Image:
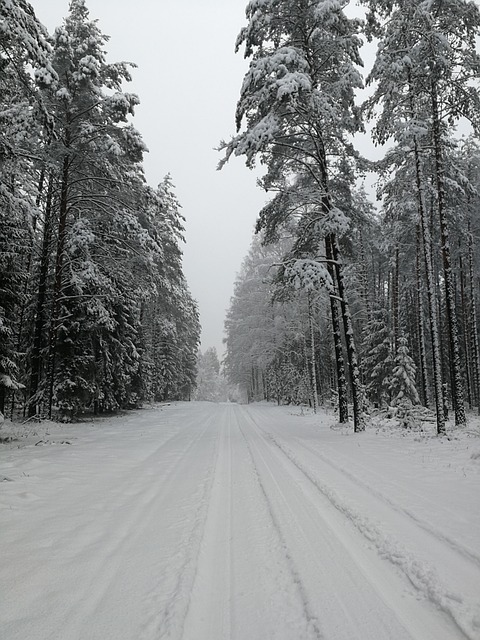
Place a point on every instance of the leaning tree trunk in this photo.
(358, 417)
(457, 381)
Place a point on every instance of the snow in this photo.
(203, 521)
(308, 274)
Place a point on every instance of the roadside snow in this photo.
(199, 521)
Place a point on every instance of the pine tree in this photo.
(403, 385)
(93, 159)
(426, 69)
(297, 103)
(23, 117)
(209, 383)
(377, 358)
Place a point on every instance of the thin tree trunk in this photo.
(57, 288)
(40, 311)
(337, 341)
(431, 298)
(465, 334)
(473, 318)
(313, 373)
(28, 269)
(395, 300)
(358, 418)
(421, 325)
(364, 276)
(333, 259)
(457, 386)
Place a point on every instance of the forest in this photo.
(323, 482)
(344, 299)
(95, 311)
(358, 301)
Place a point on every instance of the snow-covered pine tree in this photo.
(402, 381)
(270, 353)
(171, 315)
(94, 159)
(469, 201)
(89, 250)
(210, 383)
(253, 327)
(377, 357)
(23, 49)
(297, 102)
(425, 73)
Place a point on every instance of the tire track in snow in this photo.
(167, 619)
(127, 530)
(331, 573)
(312, 626)
(136, 474)
(465, 615)
(210, 609)
(453, 544)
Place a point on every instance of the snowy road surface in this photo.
(209, 522)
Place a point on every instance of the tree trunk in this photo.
(457, 382)
(313, 373)
(337, 341)
(421, 325)
(395, 300)
(57, 288)
(36, 355)
(431, 298)
(358, 418)
(473, 319)
(364, 276)
(465, 333)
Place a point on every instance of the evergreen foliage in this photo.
(95, 313)
(211, 385)
(402, 384)
(410, 268)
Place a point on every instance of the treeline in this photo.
(95, 312)
(343, 302)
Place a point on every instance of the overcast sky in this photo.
(188, 80)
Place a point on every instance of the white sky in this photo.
(188, 80)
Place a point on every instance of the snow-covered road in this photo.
(210, 522)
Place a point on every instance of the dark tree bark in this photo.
(313, 373)
(430, 287)
(473, 319)
(40, 307)
(421, 325)
(337, 341)
(355, 379)
(395, 299)
(457, 381)
(57, 287)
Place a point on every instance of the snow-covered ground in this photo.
(199, 521)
